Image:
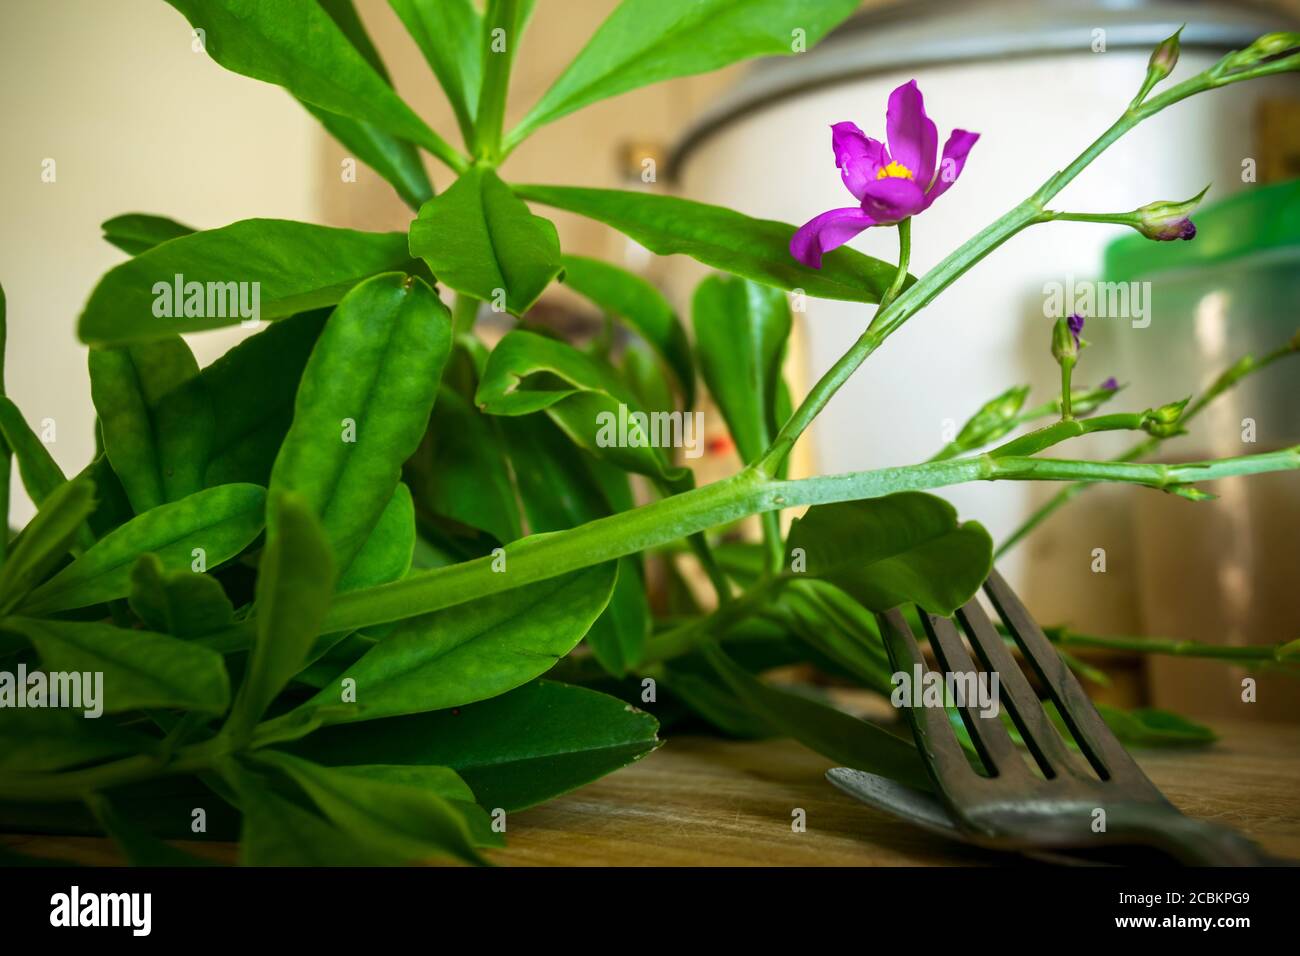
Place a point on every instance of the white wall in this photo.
(136, 121)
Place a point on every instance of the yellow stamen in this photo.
(894, 170)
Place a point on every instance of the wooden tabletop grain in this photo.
(704, 802)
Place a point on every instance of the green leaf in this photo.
(36, 466)
(156, 419)
(648, 41)
(839, 628)
(45, 540)
(574, 736)
(394, 158)
(42, 739)
(255, 384)
(386, 555)
(465, 653)
(140, 668)
(135, 233)
(140, 847)
(450, 35)
(635, 301)
(618, 637)
(832, 733)
(221, 521)
(180, 603)
(415, 820)
(1152, 727)
(481, 240)
(741, 329)
(905, 548)
(363, 405)
(527, 372)
(294, 584)
(460, 470)
(300, 47)
(757, 249)
(279, 267)
(503, 20)
(279, 832)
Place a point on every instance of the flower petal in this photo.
(913, 138)
(828, 231)
(954, 160)
(890, 200)
(857, 155)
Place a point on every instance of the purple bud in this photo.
(1166, 221)
(1110, 384)
(1075, 324)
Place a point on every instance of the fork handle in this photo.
(1190, 841)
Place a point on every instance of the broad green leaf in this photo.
(635, 301)
(465, 653)
(271, 267)
(363, 405)
(460, 469)
(156, 419)
(644, 375)
(254, 385)
(42, 739)
(139, 668)
(481, 240)
(832, 733)
(36, 466)
(527, 372)
(140, 847)
(137, 232)
(741, 329)
(1151, 727)
(450, 35)
(618, 637)
(180, 603)
(45, 540)
(214, 525)
(905, 548)
(648, 41)
(561, 488)
(394, 158)
(574, 736)
(386, 555)
(417, 821)
(277, 831)
(294, 584)
(757, 249)
(300, 47)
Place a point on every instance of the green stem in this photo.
(900, 276)
(1225, 382)
(539, 557)
(890, 318)
(1066, 429)
(501, 15)
(1171, 648)
(687, 637)
(464, 313)
(1067, 370)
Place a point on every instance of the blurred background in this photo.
(108, 109)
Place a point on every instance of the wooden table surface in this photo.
(700, 801)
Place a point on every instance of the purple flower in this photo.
(1075, 324)
(890, 184)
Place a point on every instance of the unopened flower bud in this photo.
(994, 420)
(1163, 422)
(1164, 57)
(1065, 339)
(1085, 401)
(1266, 47)
(1166, 221)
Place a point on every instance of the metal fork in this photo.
(1096, 797)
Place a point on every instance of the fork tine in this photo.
(944, 758)
(1042, 739)
(1094, 738)
(990, 737)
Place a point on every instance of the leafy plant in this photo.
(323, 578)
